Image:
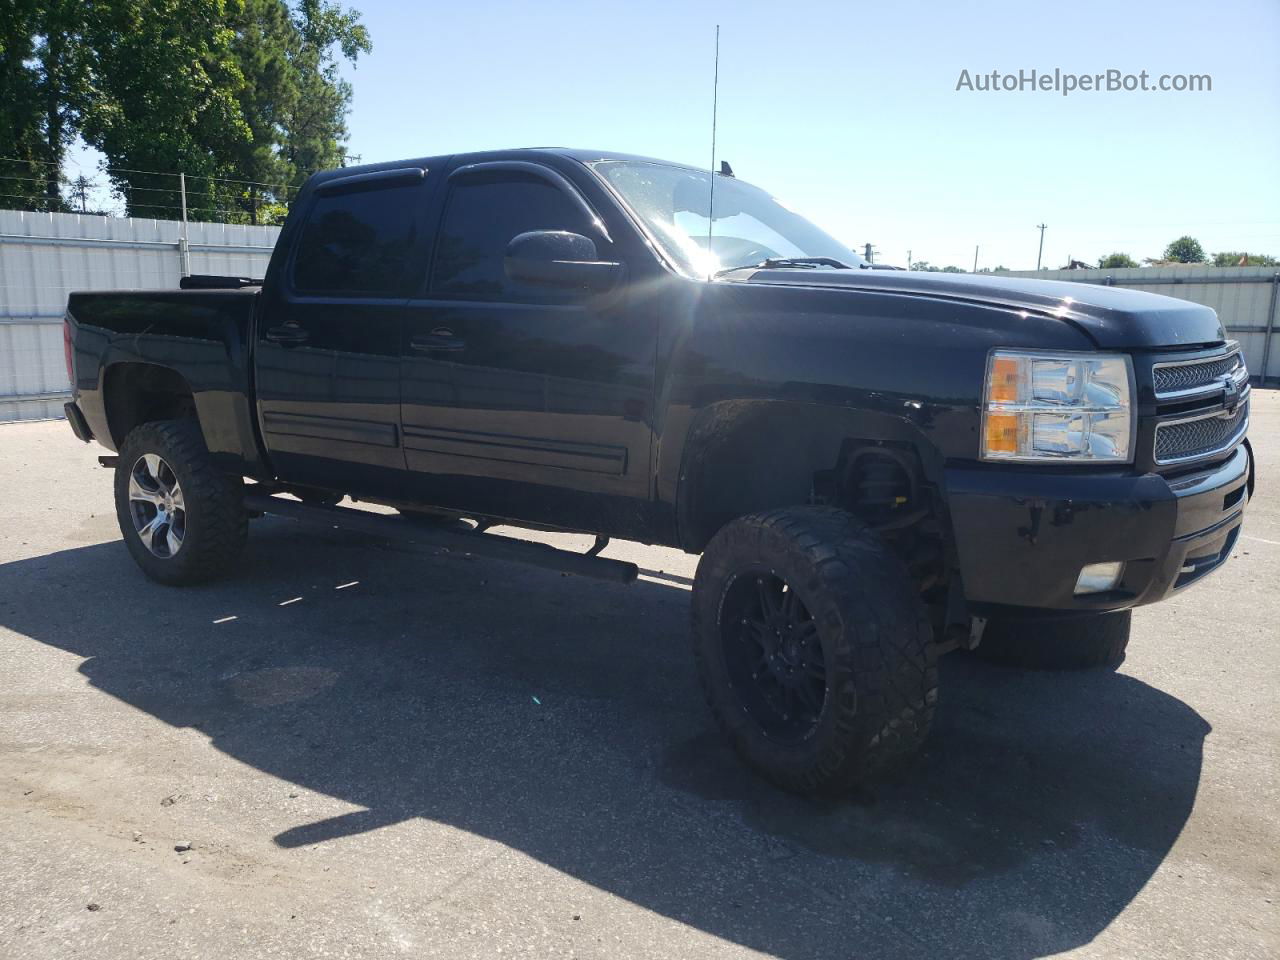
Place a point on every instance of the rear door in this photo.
(531, 407)
(327, 355)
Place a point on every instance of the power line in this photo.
(45, 163)
(201, 212)
(131, 188)
(158, 173)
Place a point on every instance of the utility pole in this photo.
(975, 258)
(1040, 227)
(81, 189)
(711, 194)
(184, 248)
(869, 252)
(908, 259)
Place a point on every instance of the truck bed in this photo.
(201, 336)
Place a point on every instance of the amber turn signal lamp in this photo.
(1004, 380)
(1002, 433)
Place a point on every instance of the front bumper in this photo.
(1022, 537)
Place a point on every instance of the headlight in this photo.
(1040, 407)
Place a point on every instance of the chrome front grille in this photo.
(1202, 435)
(1187, 378)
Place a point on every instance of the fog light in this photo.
(1099, 577)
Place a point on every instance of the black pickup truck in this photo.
(876, 466)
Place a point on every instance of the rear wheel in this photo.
(182, 518)
(1062, 644)
(813, 648)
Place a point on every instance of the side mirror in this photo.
(557, 261)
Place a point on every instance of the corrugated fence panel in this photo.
(45, 256)
(1247, 300)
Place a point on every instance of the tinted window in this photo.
(357, 243)
(481, 218)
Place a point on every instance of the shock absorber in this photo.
(879, 484)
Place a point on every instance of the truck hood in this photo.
(1112, 317)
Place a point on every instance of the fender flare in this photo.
(787, 441)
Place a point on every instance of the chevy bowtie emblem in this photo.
(1230, 394)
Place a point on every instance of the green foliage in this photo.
(45, 82)
(315, 120)
(166, 100)
(1117, 261)
(1232, 258)
(1185, 250)
(927, 267)
(243, 96)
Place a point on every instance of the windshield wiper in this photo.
(779, 263)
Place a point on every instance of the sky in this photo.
(849, 113)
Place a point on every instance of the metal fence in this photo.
(1244, 297)
(44, 256)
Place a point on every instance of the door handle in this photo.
(289, 333)
(439, 340)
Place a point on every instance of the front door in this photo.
(533, 406)
(327, 357)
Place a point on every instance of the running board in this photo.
(479, 544)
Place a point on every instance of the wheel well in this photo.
(751, 456)
(137, 393)
(746, 456)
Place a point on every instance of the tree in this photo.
(20, 131)
(242, 96)
(264, 35)
(316, 129)
(1185, 250)
(166, 81)
(45, 80)
(927, 267)
(1233, 258)
(1116, 261)
(293, 98)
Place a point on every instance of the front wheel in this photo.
(813, 648)
(182, 518)
(1077, 643)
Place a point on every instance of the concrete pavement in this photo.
(378, 751)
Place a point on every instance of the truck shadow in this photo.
(562, 718)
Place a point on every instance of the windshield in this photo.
(749, 226)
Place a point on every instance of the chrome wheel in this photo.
(156, 505)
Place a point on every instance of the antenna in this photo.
(711, 201)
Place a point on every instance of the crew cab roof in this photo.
(480, 156)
